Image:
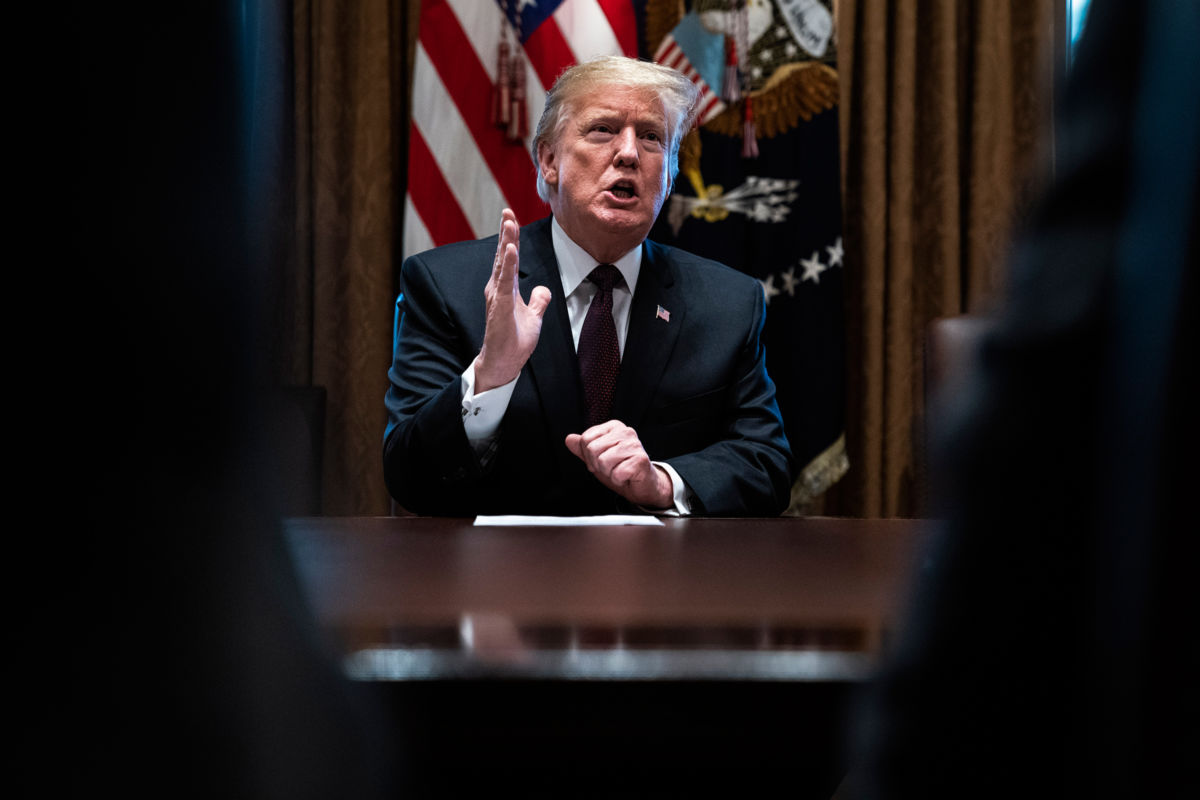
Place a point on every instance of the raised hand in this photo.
(513, 326)
(614, 454)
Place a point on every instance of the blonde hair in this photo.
(677, 93)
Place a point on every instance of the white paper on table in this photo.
(602, 519)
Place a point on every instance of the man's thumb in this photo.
(539, 298)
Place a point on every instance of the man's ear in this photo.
(547, 164)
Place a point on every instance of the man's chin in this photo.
(632, 221)
(608, 233)
(626, 234)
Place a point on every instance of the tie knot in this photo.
(606, 276)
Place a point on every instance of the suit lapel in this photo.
(651, 338)
(553, 365)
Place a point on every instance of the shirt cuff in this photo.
(682, 495)
(482, 413)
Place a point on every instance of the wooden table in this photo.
(691, 655)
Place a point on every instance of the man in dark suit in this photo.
(614, 374)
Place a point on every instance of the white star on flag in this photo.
(835, 253)
(790, 282)
(769, 289)
(812, 268)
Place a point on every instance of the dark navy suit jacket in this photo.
(694, 386)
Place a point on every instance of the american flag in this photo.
(463, 168)
(690, 37)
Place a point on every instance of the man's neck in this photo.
(604, 249)
(575, 263)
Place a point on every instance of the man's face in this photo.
(607, 170)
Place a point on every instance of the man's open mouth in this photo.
(623, 190)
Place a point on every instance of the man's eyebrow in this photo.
(600, 113)
(650, 120)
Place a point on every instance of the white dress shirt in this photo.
(483, 412)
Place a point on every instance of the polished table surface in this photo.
(792, 599)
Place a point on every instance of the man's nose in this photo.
(627, 147)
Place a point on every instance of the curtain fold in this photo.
(350, 90)
(944, 105)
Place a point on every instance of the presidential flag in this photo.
(759, 189)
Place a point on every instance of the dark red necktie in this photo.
(599, 355)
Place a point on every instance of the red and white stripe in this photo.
(462, 170)
(670, 54)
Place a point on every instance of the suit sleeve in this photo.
(748, 470)
(428, 464)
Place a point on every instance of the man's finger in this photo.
(507, 282)
(539, 299)
(630, 469)
(509, 233)
(602, 428)
(586, 450)
(574, 443)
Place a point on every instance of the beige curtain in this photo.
(944, 106)
(351, 102)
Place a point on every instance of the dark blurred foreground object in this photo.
(191, 664)
(1051, 650)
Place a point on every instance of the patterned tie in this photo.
(599, 356)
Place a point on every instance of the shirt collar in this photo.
(574, 264)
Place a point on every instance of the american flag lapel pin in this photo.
(662, 314)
